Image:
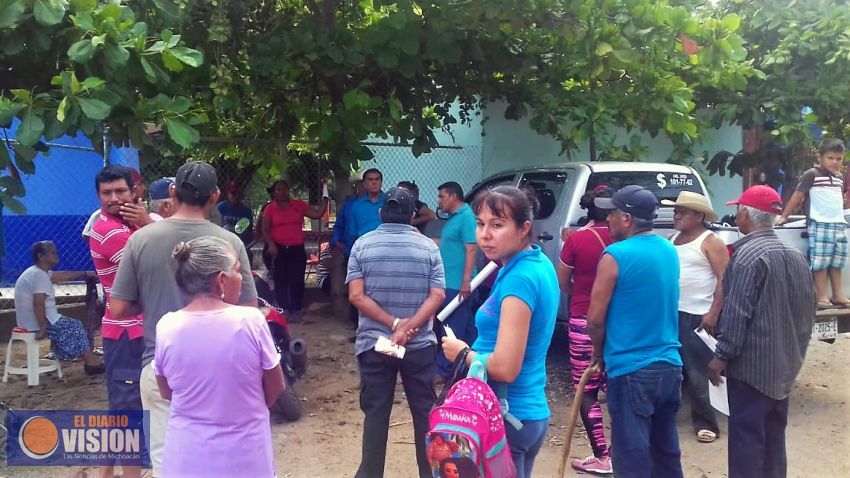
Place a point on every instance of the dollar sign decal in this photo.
(661, 180)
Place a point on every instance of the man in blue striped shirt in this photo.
(396, 282)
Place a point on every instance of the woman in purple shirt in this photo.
(218, 365)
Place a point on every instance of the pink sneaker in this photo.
(591, 464)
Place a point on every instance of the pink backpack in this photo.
(468, 430)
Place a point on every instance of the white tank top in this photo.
(696, 278)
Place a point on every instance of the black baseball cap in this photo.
(196, 179)
(632, 199)
(398, 204)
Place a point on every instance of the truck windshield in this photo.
(663, 185)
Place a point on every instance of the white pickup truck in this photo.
(560, 187)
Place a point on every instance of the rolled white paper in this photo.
(473, 284)
(325, 190)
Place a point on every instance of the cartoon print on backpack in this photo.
(451, 449)
(461, 467)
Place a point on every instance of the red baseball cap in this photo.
(763, 198)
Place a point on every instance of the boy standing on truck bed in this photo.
(822, 186)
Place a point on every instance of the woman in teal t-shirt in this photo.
(516, 322)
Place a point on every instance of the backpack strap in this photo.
(457, 373)
(478, 369)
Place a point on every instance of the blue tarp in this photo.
(60, 196)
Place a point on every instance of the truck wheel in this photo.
(288, 402)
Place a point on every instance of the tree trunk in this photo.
(339, 291)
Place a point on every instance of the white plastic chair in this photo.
(35, 365)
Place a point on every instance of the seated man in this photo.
(35, 308)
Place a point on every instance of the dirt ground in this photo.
(326, 441)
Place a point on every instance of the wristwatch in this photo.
(396, 321)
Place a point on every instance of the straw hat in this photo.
(694, 202)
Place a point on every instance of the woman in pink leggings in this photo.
(576, 273)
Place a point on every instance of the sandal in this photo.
(825, 304)
(706, 436)
(841, 304)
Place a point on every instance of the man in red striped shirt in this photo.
(123, 341)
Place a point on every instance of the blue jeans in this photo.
(756, 432)
(526, 443)
(462, 322)
(643, 407)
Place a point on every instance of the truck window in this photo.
(663, 185)
(506, 180)
(547, 187)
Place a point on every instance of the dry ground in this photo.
(326, 441)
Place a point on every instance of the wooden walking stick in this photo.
(571, 425)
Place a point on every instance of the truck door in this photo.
(548, 187)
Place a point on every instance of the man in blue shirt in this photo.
(236, 217)
(633, 321)
(458, 250)
(364, 216)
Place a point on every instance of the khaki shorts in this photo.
(158, 409)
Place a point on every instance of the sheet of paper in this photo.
(717, 395)
(385, 346)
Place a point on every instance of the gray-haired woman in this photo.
(218, 365)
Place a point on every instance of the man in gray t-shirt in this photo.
(396, 282)
(145, 281)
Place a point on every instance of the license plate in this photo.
(827, 329)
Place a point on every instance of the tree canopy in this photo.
(321, 76)
(85, 65)
(803, 50)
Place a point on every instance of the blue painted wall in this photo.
(59, 199)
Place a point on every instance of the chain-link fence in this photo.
(60, 197)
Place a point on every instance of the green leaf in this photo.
(731, 22)
(11, 12)
(171, 62)
(13, 204)
(82, 5)
(23, 157)
(30, 129)
(116, 56)
(93, 83)
(626, 56)
(387, 60)
(62, 111)
(4, 157)
(22, 95)
(54, 127)
(603, 49)
(191, 57)
(49, 12)
(81, 51)
(8, 110)
(150, 73)
(140, 29)
(181, 133)
(178, 105)
(94, 109)
(168, 9)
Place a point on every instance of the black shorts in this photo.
(123, 359)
